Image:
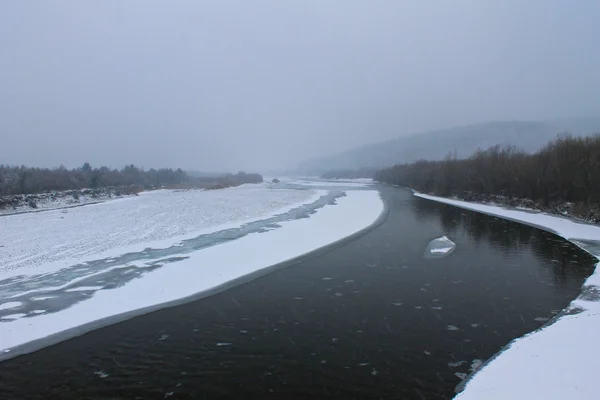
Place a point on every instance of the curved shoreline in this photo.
(460, 388)
(62, 336)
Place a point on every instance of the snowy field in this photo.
(561, 360)
(63, 270)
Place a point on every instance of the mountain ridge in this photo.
(462, 141)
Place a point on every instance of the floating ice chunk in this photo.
(476, 364)
(440, 247)
(101, 374)
(455, 364)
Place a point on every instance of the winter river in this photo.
(370, 317)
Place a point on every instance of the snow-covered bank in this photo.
(36, 243)
(29, 203)
(561, 360)
(204, 269)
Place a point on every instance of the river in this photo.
(373, 318)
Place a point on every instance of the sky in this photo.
(229, 85)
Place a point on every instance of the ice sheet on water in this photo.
(440, 247)
(10, 304)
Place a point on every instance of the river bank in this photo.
(371, 318)
(560, 360)
(23, 203)
(589, 213)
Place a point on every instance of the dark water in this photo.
(370, 319)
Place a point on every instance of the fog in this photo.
(255, 85)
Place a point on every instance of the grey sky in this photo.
(226, 85)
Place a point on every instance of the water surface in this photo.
(371, 319)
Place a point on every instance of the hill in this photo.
(528, 136)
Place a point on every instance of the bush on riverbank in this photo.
(565, 174)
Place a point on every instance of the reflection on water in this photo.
(562, 259)
(370, 319)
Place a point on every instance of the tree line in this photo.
(16, 180)
(566, 170)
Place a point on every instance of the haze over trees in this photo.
(349, 173)
(566, 170)
(529, 136)
(26, 180)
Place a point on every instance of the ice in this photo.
(13, 316)
(101, 374)
(10, 304)
(455, 364)
(83, 288)
(476, 364)
(440, 247)
(561, 360)
(40, 242)
(197, 273)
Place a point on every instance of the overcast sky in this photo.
(228, 85)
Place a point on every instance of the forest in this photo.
(15, 180)
(566, 171)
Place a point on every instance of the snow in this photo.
(45, 202)
(206, 268)
(9, 305)
(567, 228)
(54, 240)
(561, 360)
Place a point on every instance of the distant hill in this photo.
(435, 145)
